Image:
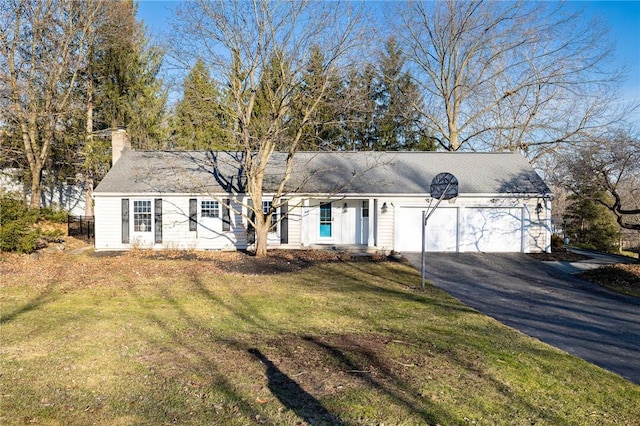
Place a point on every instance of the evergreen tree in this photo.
(381, 113)
(322, 131)
(267, 114)
(358, 117)
(124, 75)
(199, 121)
(397, 121)
(591, 225)
(121, 89)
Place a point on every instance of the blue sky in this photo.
(623, 18)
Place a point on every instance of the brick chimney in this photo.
(119, 143)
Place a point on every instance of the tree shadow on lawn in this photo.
(186, 356)
(350, 358)
(325, 362)
(292, 396)
(44, 297)
(357, 359)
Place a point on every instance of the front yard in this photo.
(217, 338)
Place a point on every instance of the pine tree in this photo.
(124, 74)
(199, 121)
(591, 225)
(358, 117)
(121, 89)
(322, 131)
(397, 121)
(266, 113)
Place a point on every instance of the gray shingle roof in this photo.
(199, 172)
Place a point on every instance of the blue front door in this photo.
(326, 220)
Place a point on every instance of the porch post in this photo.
(373, 221)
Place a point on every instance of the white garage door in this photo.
(491, 230)
(481, 230)
(441, 229)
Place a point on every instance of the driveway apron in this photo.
(545, 302)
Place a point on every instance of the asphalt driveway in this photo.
(544, 301)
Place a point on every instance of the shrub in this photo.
(18, 236)
(14, 207)
(53, 214)
(557, 242)
(17, 224)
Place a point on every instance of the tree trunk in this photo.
(262, 231)
(88, 197)
(36, 187)
(88, 181)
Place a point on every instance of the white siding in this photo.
(108, 223)
(385, 233)
(526, 230)
(538, 237)
(295, 222)
(175, 226)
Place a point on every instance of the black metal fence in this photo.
(81, 227)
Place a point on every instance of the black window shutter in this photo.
(226, 216)
(193, 214)
(125, 221)
(284, 223)
(158, 221)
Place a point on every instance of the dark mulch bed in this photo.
(559, 256)
(241, 262)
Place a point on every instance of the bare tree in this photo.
(607, 170)
(509, 75)
(260, 51)
(43, 48)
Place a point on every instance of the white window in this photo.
(142, 216)
(209, 208)
(266, 206)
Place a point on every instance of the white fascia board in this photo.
(161, 194)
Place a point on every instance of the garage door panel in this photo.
(492, 230)
(441, 229)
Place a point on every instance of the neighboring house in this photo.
(368, 200)
(68, 194)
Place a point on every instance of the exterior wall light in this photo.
(384, 207)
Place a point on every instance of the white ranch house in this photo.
(370, 201)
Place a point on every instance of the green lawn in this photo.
(131, 340)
